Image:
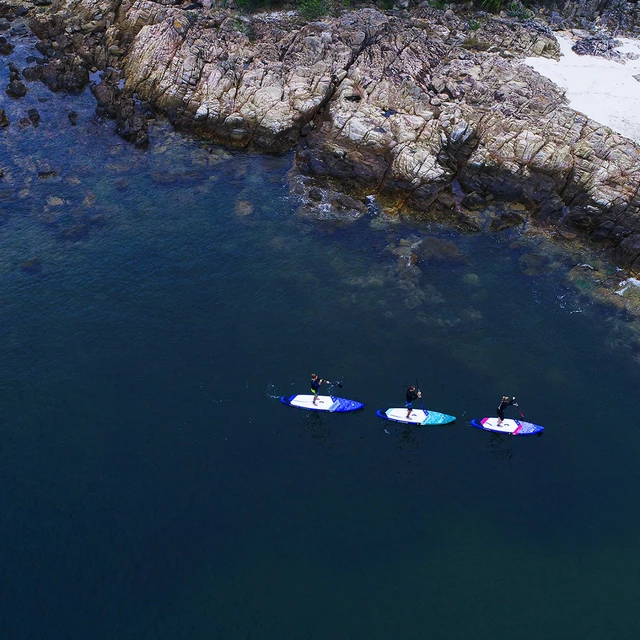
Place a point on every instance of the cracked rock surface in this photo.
(399, 105)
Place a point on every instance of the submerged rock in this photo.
(5, 46)
(32, 73)
(32, 267)
(243, 208)
(34, 117)
(16, 89)
(534, 264)
(432, 249)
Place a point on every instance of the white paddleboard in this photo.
(508, 426)
(323, 403)
(417, 416)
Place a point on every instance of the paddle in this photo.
(418, 389)
(338, 383)
(517, 405)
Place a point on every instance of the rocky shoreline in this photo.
(426, 111)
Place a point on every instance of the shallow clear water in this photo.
(154, 305)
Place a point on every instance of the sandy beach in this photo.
(602, 89)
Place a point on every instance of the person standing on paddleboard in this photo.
(316, 381)
(506, 402)
(412, 394)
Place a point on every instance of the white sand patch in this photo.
(604, 90)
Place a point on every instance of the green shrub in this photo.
(493, 6)
(517, 10)
(250, 6)
(312, 9)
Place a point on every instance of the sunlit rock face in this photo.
(398, 106)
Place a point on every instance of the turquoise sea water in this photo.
(154, 305)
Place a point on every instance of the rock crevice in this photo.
(397, 104)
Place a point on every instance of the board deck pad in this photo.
(324, 403)
(508, 426)
(418, 416)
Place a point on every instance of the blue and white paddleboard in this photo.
(323, 403)
(418, 416)
(508, 426)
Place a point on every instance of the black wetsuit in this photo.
(501, 408)
(411, 396)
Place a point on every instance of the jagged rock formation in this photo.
(616, 16)
(398, 105)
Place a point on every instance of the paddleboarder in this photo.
(316, 381)
(412, 394)
(506, 402)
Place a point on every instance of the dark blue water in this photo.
(154, 305)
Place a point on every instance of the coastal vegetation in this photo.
(316, 8)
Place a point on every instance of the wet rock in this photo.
(48, 173)
(433, 249)
(45, 49)
(14, 72)
(16, 89)
(534, 264)
(131, 123)
(19, 30)
(32, 73)
(4, 119)
(59, 75)
(5, 46)
(108, 95)
(343, 203)
(473, 200)
(73, 118)
(5, 25)
(130, 114)
(32, 267)
(34, 116)
(332, 205)
(505, 220)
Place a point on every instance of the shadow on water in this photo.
(499, 447)
(317, 426)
